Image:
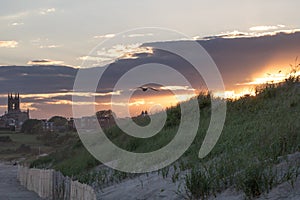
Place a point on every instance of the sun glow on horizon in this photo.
(155, 104)
(161, 100)
(270, 78)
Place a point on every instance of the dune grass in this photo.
(258, 130)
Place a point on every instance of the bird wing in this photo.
(144, 89)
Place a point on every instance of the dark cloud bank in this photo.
(237, 59)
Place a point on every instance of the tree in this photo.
(58, 121)
(32, 126)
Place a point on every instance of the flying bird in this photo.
(144, 89)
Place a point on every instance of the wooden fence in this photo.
(50, 184)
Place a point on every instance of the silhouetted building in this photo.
(104, 118)
(71, 124)
(47, 126)
(14, 117)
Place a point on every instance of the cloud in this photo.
(110, 35)
(17, 24)
(131, 51)
(135, 103)
(45, 43)
(266, 28)
(45, 62)
(15, 16)
(28, 105)
(230, 34)
(64, 94)
(108, 55)
(8, 44)
(241, 61)
(125, 51)
(176, 87)
(47, 11)
(239, 34)
(140, 35)
(96, 59)
(38, 40)
(52, 46)
(69, 102)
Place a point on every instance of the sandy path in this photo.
(143, 187)
(155, 187)
(10, 188)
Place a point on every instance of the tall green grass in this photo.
(258, 130)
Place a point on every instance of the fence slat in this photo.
(50, 184)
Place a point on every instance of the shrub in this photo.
(5, 139)
(256, 180)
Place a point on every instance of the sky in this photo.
(65, 30)
(61, 36)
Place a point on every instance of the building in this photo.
(47, 126)
(13, 117)
(104, 118)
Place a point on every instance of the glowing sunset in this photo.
(242, 69)
(138, 99)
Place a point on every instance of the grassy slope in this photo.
(28, 147)
(11, 150)
(257, 131)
